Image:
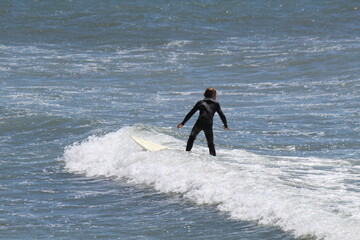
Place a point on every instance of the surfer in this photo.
(207, 107)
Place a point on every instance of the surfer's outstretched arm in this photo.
(189, 115)
(223, 118)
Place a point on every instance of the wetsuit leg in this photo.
(210, 139)
(194, 132)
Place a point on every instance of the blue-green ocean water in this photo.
(79, 78)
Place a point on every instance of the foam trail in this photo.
(306, 196)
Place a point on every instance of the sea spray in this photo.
(280, 191)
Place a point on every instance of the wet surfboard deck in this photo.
(149, 146)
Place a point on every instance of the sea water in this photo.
(79, 78)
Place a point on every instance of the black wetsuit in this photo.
(207, 107)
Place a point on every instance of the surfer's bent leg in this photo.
(210, 139)
(194, 132)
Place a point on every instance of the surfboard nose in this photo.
(149, 146)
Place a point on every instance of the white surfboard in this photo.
(149, 146)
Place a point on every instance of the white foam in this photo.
(301, 195)
(177, 43)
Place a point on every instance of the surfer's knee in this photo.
(192, 136)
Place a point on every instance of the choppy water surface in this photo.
(79, 78)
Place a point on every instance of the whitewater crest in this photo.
(296, 194)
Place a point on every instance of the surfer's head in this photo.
(210, 93)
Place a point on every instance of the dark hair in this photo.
(210, 92)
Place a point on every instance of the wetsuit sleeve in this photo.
(222, 116)
(191, 113)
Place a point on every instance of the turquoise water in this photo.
(79, 78)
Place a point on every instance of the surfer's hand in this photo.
(180, 125)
